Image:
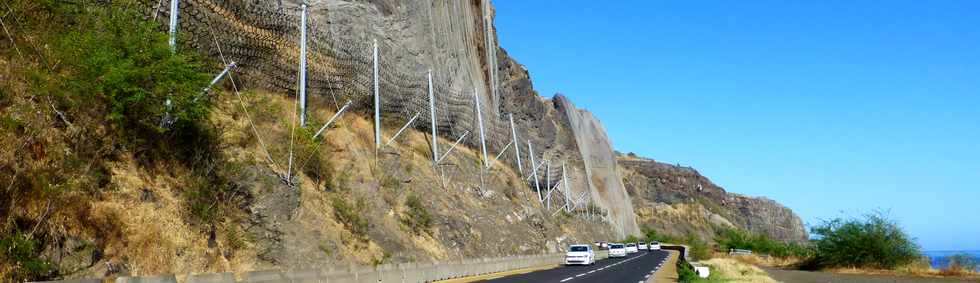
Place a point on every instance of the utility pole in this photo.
(302, 67)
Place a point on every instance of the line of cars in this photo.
(585, 254)
(621, 250)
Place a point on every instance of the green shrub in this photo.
(699, 248)
(685, 273)
(872, 242)
(631, 239)
(350, 216)
(116, 68)
(417, 216)
(761, 244)
(23, 253)
(654, 235)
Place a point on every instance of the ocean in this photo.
(938, 258)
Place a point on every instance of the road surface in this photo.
(634, 268)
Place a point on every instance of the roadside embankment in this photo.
(462, 271)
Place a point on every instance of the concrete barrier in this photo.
(83, 280)
(268, 276)
(387, 273)
(211, 278)
(148, 279)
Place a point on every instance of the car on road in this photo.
(617, 250)
(642, 246)
(580, 254)
(654, 245)
(631, 248)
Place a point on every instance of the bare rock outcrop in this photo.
(679, 200)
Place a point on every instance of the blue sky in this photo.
(833, 108)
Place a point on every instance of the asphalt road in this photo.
(634, 268)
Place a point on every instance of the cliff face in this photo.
(453, 40)
(679, 200)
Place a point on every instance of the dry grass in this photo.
(919, 269)
(731, 270)
(765, 261)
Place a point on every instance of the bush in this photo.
(417, 216)
(350, 216)
(654, 235)
(700, 250)
(631, 239)
(23, 253)
(761, 244)
(98, 74)
(116, 68)
(872, 242)
(685, 273)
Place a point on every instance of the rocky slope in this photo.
(455, 40)
(679, 200)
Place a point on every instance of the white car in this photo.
(580, 254)
(631, 248)
(617, 250)
(654, 246)
(643, 246)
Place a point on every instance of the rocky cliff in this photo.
(679, 200)
(455, 41)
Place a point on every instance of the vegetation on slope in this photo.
(86, 84)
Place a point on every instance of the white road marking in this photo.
(566, 279)
(580, 275)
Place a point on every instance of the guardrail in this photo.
(386, 273)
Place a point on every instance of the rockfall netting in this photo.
(262, 37)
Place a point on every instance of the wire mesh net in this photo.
(262, 37)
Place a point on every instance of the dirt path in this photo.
(794, 276)
(667, 272)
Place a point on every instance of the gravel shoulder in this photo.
(794, 276)
(667, 272)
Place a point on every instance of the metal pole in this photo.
(454, 146)
(342, 109)
(547, 174)
(517, 148)
(535, 171)
(403, 128)
(302, 68)
(216, 80)
(564, 179)
(377, 103)
(479, 119)
(500, 154)
(174, 9)
(432, 116)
